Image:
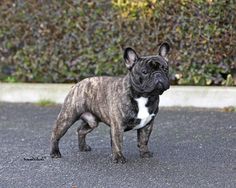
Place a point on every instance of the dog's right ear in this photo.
(130, 57)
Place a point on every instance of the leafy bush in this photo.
(65, 41)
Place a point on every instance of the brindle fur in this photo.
(110, 100)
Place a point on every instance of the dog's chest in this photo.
(143, 114)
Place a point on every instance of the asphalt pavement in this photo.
(192, 148)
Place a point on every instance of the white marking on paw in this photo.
(143, 113)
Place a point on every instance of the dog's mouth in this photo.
(161, 87)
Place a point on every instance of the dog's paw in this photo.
(55, 154)
(146, 154)
(118, 158)
(85, 148)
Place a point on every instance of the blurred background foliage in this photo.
(62, 41)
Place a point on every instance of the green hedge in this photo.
(65, 41)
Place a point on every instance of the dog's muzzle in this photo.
(162, 82)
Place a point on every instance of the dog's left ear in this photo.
(130, 57)
(164, 49)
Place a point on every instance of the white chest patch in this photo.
(143, 113)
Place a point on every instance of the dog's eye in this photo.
(144, 71)
(154, 65)
(166, 69)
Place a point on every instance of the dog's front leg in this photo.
(117, 143)
(143, 137)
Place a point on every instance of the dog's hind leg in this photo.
(89, 122)
(67, 116)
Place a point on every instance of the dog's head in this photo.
(148, 73)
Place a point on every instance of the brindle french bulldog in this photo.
(124, 103)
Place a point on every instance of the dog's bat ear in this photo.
(130, 57)
(164, 49)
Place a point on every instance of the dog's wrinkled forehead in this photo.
(149, 60)
(151, 63)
